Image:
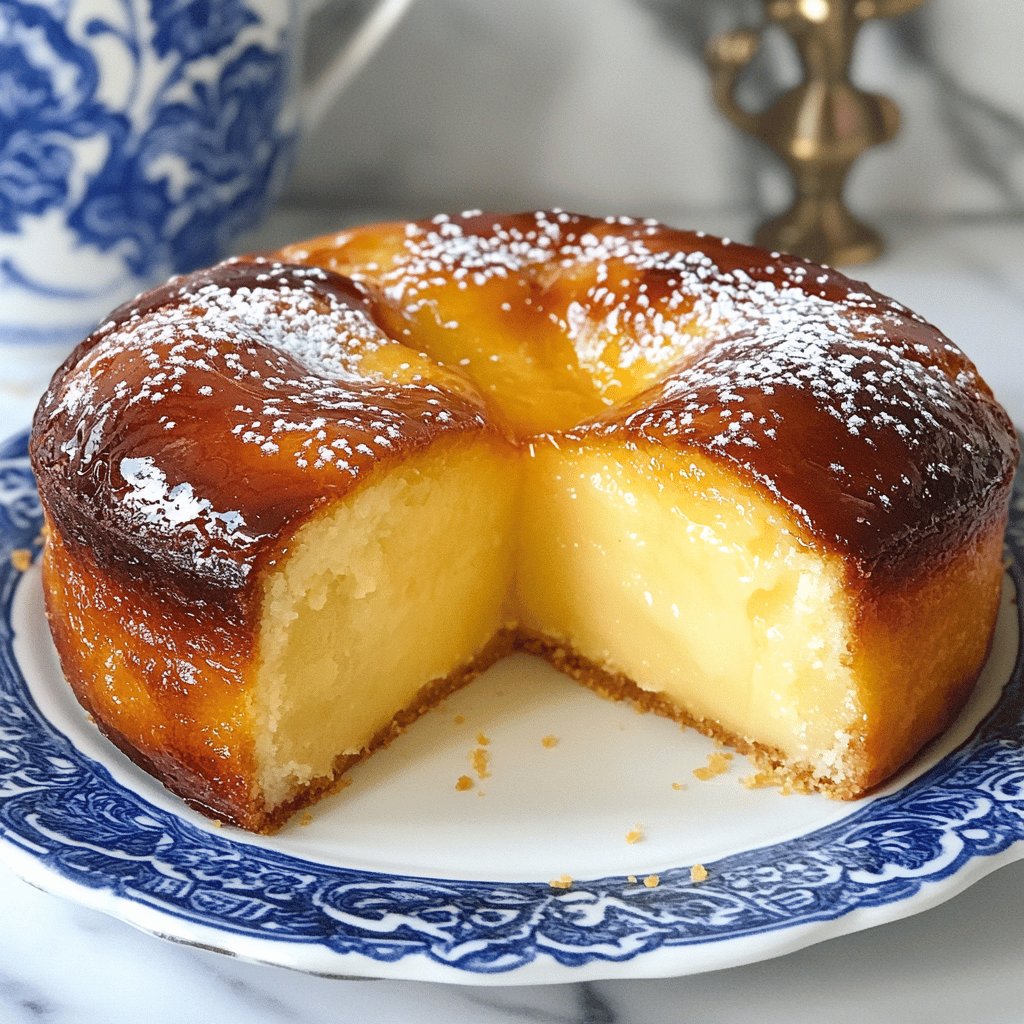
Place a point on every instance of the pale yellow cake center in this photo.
(657, 566)
(662, 567)
(377, 597)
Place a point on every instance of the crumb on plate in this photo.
(767, 778)
(481, 762)
(718, 764)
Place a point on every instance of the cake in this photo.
(296, 499)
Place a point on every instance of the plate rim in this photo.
(855, 873)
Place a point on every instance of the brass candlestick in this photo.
(820, 127)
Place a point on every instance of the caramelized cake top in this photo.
(206, 416)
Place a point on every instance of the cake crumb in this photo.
(698, 873)
(459, 719)
(306, 819)
(549, 742)
(217, 823)
(483, 739)
(771, 778)
(635, 834)
(480, 760)
(678, 785)
(652, 881)
(718, 764)
(463, 782)
(631, 879)
(21, 559)
(562, 882)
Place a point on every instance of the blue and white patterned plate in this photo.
(403, 876)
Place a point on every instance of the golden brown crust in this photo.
(850, 409)
(861, 418)
(165, 682)
(921, 643)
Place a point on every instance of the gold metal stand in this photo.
(820, 127)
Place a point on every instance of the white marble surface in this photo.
(961, 961)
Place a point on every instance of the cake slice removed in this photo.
(647, 573)
(662, 576)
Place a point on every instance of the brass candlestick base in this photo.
(820, 127)
(823, 230)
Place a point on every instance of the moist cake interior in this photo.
(640, 564)
(403, 585)
(644, 571)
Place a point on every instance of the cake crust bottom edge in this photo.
(771, 767)
(239, 803)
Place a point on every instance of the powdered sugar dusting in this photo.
(762, 359)
(179, 415)
(853, 411)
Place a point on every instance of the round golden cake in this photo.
(296, 499)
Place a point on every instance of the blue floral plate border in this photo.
(67, 826)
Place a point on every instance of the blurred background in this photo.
(605, 106)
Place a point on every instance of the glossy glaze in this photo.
(852, 410)
(206, 416)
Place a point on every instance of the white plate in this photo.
(402, 876)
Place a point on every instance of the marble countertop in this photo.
(961, 961)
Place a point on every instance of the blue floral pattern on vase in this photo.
(66, 812)
(47, 97)
(221, 135)
(189, 29)
(158, 136)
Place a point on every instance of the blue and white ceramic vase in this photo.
(137, 139)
